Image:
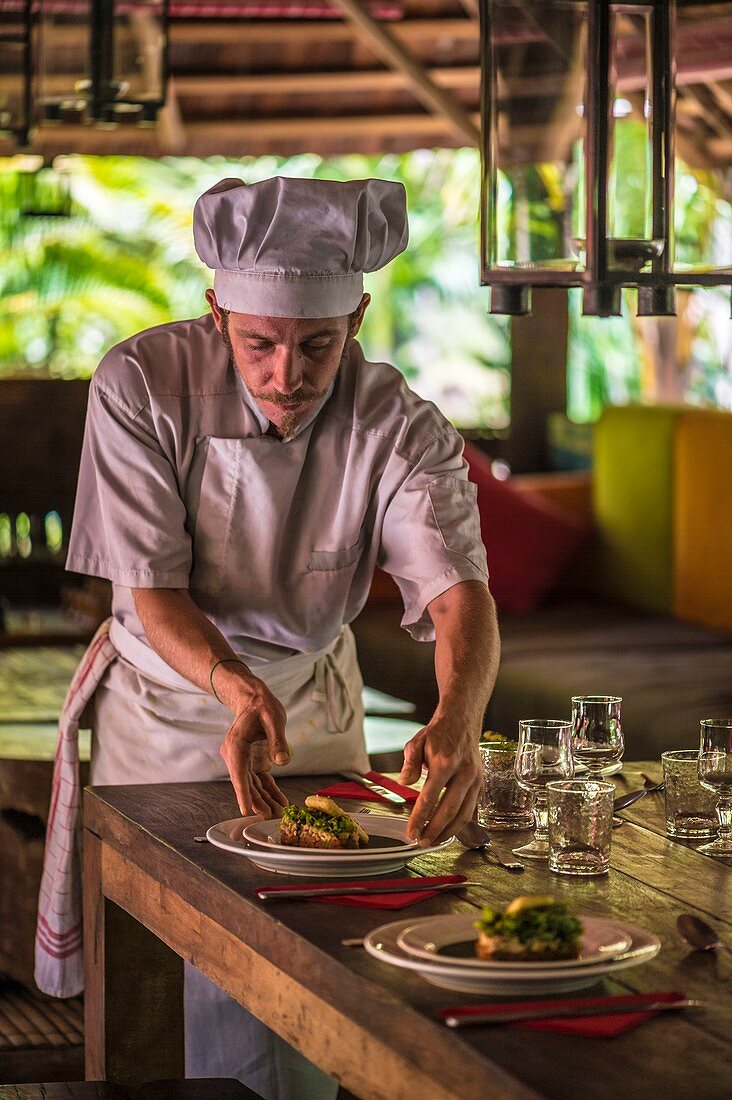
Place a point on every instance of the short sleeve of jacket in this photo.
(431, 532)
(129, 518)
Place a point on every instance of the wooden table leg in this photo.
(133, 1011)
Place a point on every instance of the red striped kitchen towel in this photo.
(59, 967)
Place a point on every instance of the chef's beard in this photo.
(298, 401)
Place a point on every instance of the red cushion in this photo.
(529, 541)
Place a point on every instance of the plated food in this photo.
(529, 929)
(442, 951)
(321, 823)
(389, 847)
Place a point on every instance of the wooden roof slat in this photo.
(361, 80)
(295, 83)
(241, 33)
(238, 138)
(713, 115)
(386, 46)
(243, 86)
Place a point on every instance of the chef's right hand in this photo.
(254, 742)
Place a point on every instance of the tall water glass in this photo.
(715, 774)
(597, 734)
(544, 753)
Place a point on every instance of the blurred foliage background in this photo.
(117, 256)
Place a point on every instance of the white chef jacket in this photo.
(181, 487)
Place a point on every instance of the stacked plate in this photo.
(389, 848)
(442, 951)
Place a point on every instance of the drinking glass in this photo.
(580, 826)
(597, 735)
(690, 809)
(502, 803)
(544, 753)
(715, 774)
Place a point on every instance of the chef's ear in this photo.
(355, 318)
(216, 310)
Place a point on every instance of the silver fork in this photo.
(651, 785)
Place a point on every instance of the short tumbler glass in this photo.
(502, 803)
(715, 775)
(597, 734)
(580, 826)
(690, 810)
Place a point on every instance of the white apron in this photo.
(177, 730)
(147, 731)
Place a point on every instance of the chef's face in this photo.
(288, 363)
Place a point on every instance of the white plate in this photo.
(383, 944)
(311, 862)
(265, 834)
(611, 769)
(426, 939)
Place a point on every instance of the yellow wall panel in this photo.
(703, 518)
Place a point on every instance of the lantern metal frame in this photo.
(102, 99)
(21, 130)
(601, 280)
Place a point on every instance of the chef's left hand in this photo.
(448, 749)
(255, 739)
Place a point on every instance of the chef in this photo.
(241, 476)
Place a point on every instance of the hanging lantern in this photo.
(17, 67)
(114, 57)
(82, 61)
(561, 205)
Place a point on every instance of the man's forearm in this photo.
(467, 651)
(189, 642)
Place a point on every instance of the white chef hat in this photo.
(297, 247)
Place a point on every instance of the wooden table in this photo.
(154, 897)
(33, 686)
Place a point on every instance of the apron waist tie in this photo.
(332, 690)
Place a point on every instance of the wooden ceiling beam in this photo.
(295, 83)
(237, 32)
(714, 116)
(386, 46)
(356, 80)
(721, 150)
(723, 94)
(83, 138)
(253, 32)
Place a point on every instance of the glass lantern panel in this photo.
(139, 53)
(703, 197)
(630, 163)
(12, 110)
(535, 213)
(635, 178)
(63, 60)
(15, 116)
(126, 39)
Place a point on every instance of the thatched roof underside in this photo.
(373, 76)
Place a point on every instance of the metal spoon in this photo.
(476, 837)
(625, 800)
(698, 934)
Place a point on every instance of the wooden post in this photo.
(133, 1008)
(538, 378)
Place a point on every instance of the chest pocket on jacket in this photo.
(332, 561)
